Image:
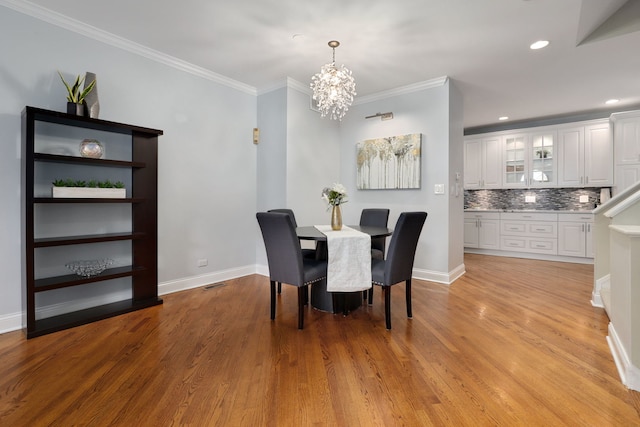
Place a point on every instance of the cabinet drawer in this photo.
(514, 228)
(482, 215)
(575, 217)
(548, 229)
(544, 245)
(529, 216)
(529, 244)
(529, 228)
(511, 243)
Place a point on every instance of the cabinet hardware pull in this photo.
(583, 228)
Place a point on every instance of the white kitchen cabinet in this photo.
(482, 163)
(626, 137)
(598, 155)
(529, 159)
(575, 235)
(626, 176)
(529, 232)
(626, 134)
(482, 230)
(585, 156)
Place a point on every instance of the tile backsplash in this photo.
(545, 199)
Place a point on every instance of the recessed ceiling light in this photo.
(539, 44)
(503, 118)
(612, 101)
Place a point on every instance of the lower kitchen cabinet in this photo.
(558, 235)
(482, 230)
(529, 232)
(575, 234)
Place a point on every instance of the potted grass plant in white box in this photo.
(69, 188)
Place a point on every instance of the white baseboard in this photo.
(527, 255)
(629, 374)
(438, 276)
(204, 279)
(600, 284)
(10, 322)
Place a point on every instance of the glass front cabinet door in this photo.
(515, 154)
(529, 160)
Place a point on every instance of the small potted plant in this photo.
(76, 95)
(69, 188)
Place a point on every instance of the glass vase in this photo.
(336, 218)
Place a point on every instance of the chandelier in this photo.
(333, 88)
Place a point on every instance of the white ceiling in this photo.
(483, 45)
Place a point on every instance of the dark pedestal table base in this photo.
(333, 302)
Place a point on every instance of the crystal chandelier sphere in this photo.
(333, 88)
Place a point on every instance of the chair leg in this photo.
(301, 292)
(371, 295)
(273, 300)
(387, 306)
(279, 288)
(408, 291)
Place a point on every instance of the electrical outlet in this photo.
(529, 199)
(203, 262)
(584, 199)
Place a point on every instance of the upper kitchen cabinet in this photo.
(626, 137)
(529, 160)
(578, 154)
(585, 155)
(482, 159)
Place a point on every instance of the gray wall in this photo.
(427, 112)
(207, 174)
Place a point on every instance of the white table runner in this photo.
(349, 259)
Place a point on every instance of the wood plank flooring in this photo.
(512, 343)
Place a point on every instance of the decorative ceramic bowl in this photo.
(88, 268)
(91, 148)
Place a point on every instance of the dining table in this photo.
(335, 302)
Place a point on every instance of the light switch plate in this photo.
(438, 188)
(584, 199)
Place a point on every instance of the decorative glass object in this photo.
(88, 268)
(336, 218)
(91, 148)
(333, 88)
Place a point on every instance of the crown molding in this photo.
(403, 90)
(86, 30)
(429, 84)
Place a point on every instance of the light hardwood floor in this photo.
(512, 343)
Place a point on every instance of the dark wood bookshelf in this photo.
(93, 314)
(77, 240)
(143, 272)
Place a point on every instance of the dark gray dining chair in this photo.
(375, 217)
(284, 256)
(307, 252)
(398, 266)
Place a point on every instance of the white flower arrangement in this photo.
(336, 195)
